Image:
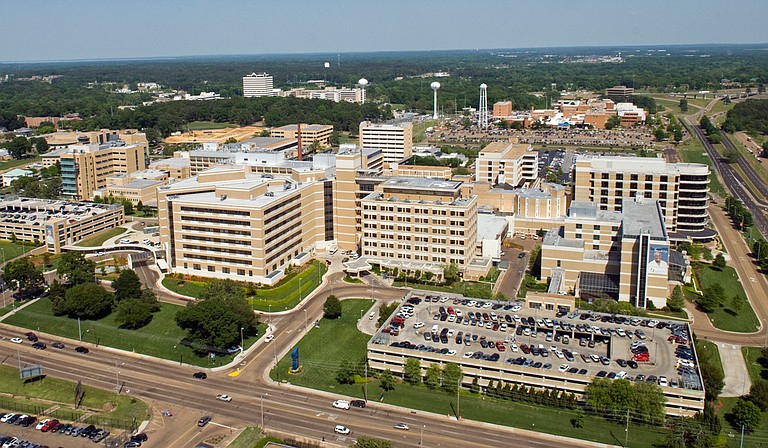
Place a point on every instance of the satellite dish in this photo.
(327, 65)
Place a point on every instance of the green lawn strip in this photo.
(692, 151)
(320, 362)
(61, 391)
(756, 370)
(349, 279)
(7, 309)
(745, 179)
(159, 338)
(206, 125)
(99, 238)
(467, 289)
(286, 294)
(11, 250)
(723, 317)
(247, 439)
(708, 350)
(282, 296)
(675, 315)
(420, 129)
(8, 164)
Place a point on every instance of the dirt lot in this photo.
(216, 135)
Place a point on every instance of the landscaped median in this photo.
(337, 343)
(723, 298)
(286, 294)
(160, 338)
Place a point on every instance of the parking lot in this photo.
(55, 439)
(578, 343)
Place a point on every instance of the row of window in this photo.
(620, 176)
(246, 233)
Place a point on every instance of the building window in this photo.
(649, 177)
(578, 236)
(225, 270)
(241, 272)
(604, 176)
(619, 176)
(211, 268)
(597, 226)
(196, 266)
(648, 194)
(558, 263)
(633, 177)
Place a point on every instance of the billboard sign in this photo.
(658, 259)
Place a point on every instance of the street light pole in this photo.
(262, 411)
(242, 340)
(458, 400)
(421, 436)
(306, 328)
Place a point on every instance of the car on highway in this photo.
(357, 403)
(200, 375)
(80, 349)
(31, 336)
(402, 426)
(341, 429)
(203, 420)
(223, 397)
(57, 345)
(269, 338)
(17, 340)
(39, 345)
(340, 404)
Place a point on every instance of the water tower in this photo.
(482, 121)
(435, 86)
(363, 83)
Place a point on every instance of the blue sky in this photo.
(97, 29)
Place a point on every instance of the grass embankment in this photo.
(247, 439)
(724, 317)
(467, 289)
(8, 164)
(11, 250)
(205, 125)
(692, 151)
(99, 238)
(159, 338)
(758, 369)
(321, 360)
(286, 294)
(42, 392)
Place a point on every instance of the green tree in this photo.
(451, 273)
(18, 147)
(133, 313)
(332, 308)
(387, 380)
(371, 442)
(385, 310)
(412, 370)
(57, 295)
(127, 285)
(76, 268)
(758, 394)
(22, 274)
(745, 414)
(712, 376)
(613, 122)
(127, 206)
(719, 262)
(451, 376)
(217, 318)
(230, 140)
(683, 105)
(432, 376)
(88, 301)
(346, 373)
(676, 301)
(659, 134)
(736, 303)
(712, 298)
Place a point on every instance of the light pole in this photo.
(117, 376)
(262, 410)
(458, 400)
(421, 436)
(242, 340)
(306, 328)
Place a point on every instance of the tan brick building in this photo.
(507, 163)
(394, 140)
(310, 133)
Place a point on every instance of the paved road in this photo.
(750, 173)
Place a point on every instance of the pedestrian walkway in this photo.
(737, 380)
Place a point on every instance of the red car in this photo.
(641, 357)
(500, 346)
(50, 424)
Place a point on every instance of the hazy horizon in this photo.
(80, 30)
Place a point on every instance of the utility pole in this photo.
(626, 430)
(366, 378)
(741, 444)
(458, 400)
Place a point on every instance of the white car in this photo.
(17, 340)
(341, 404)
(451, 353)
(563, 368)
(468, 354)
(514, 347)
(42, 423)
(418, 325)
(402, 426)
(663, 381)
(341, 429)
(223, 397)
(269, 338)
(6, 417)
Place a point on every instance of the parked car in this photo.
(357, 403)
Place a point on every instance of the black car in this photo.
(39, 345)
(140, 437)
(31, 336)
(631, 363)
(601, 374)
(28, 421)
(357, 403)
(200, 375)
(203, 421)
(87, 431)
(57, 345)
(81, 350)
(621, 362)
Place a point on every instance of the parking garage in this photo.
(505, 341)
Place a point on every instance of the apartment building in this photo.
(258, 84)
(229, 223)
(310, 133)
(85, 168)
(623, 255)
(177, 167)
(419, 224)
(394, 140)
(139, 186)
(682, 189)
(502, 109)
(507, 163)
(620, 91)
(55, 223)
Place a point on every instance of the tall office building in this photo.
(258, 84)
(394, 140)
(85, 168)
(507, 163)
(681, 188)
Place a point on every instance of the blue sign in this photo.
(295, 358)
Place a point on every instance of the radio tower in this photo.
(483, 109)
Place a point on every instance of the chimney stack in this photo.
(298, 135)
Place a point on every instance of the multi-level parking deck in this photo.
(506, 342)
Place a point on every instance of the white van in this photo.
(435, 329)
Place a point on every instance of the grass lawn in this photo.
(320, 361)
(202, 125)
(692, 151)
(751, 439)
(420, 129)
(283, 296)
(99, 238)
(60, 391)
(723, 317)
(12, 250)
(247, 439)
(756, 369)
(8, 164)
(467, 289)
(159, 338)
(349, 279)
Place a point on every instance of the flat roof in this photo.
(139, 183)
(422, 183)
(643, 216)
(304, 127)
(490, 226)
(173, 162)
(515, 149)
